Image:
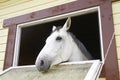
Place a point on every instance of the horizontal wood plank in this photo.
(2, 47)
(1, 24)
(116, 18)
(117, 41)
(75, 71)
(119, 65)
(9, 3)
(1, 65)
(3, 32)
(116, 7)
(117, 29)
(31, 7)
(27, 4)
(118, 52)
(3, 40)
(2, 55)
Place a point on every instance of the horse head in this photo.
(60, 47)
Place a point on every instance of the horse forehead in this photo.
(52, 36)
(59, 33)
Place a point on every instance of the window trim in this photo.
(106, 22)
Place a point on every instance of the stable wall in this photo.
(12, 8)
(116, 17)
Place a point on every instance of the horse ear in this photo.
(54, 27)
(67, 24)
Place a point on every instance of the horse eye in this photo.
(59, 38)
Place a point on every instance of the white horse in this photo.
(61, 46)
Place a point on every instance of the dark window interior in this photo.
(85, 27)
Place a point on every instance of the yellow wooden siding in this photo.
(3, 40)
(101, 79)
(1, 65)
(3, 32)
(2, 55)
(116, 17)
(118, 52)
(117, 40)
(10, 3)
(117, 29)
(116, 7)
(2, 47)
(30, 6)
(1, 23)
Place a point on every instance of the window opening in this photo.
(31, 36)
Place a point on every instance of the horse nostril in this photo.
(42, 63)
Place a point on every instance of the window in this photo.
(82, 10)
(31, 36)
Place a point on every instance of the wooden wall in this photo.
(12, 8)
(116, 16)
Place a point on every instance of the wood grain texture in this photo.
(10, 47)
(116, 7)
(2, 47)
(118, 53)
(117, 41)
(117, 29)
(2, 55)
(116, 18)
(3, 32)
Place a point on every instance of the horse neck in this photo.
(76, 53)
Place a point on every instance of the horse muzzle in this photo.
(43, 63)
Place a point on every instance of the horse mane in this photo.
(81, 46)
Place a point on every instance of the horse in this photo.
(61, 46)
